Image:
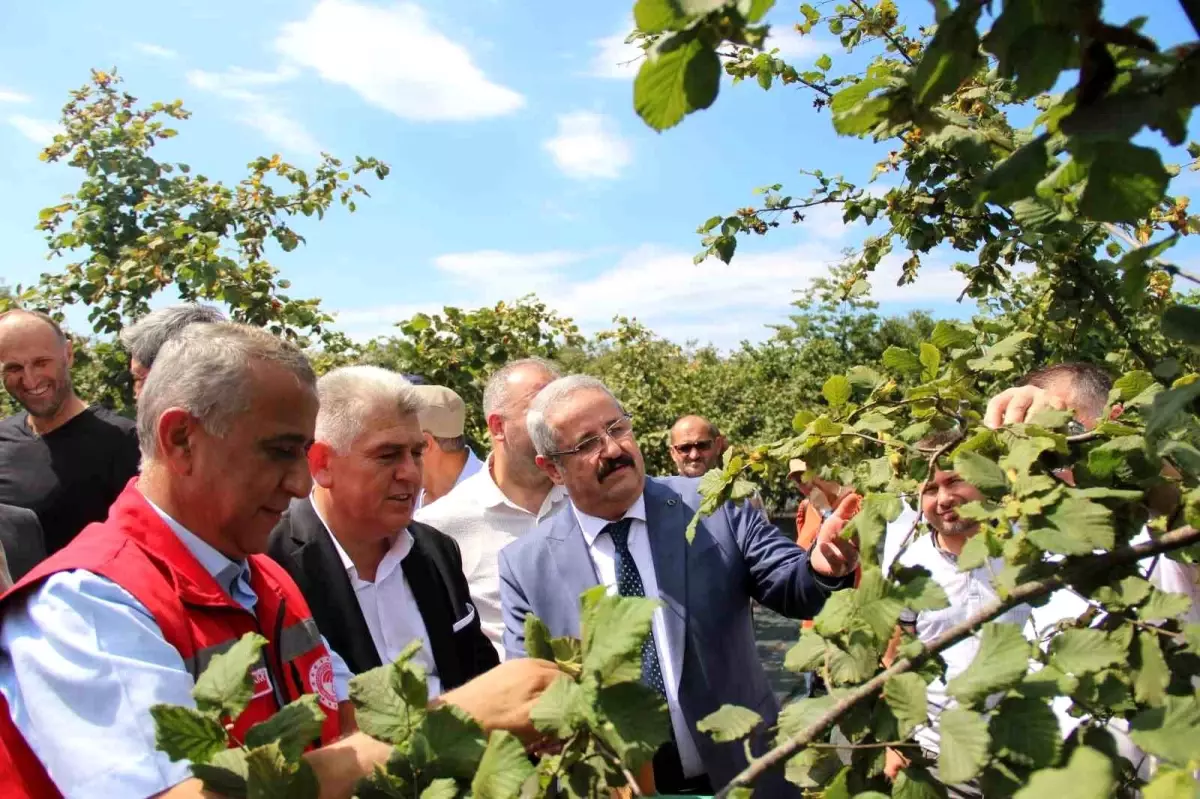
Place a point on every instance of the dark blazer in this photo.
(20, 540)
(706, 588)
(301, 544)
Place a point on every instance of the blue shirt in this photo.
(82, 662)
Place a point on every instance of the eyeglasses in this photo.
(699, 446)
(620, 429)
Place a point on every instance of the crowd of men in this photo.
(345, 516)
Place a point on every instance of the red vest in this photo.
(137, 550)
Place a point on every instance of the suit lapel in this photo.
(667, 518)
(571, 556)
(331, 591)
(433, 602)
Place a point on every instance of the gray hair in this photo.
(350, 395)
(206, 370)
(145, 337)
(543, 436)
(496, 395)
(455, 444)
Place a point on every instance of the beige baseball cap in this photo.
(443, 413)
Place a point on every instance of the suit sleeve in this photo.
(483, 654)
(780, 574)
(515, 607)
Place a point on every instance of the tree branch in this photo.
(1073, 568)
(887, 34)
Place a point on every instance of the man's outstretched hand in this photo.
(1018, 405)
(501, 698)
(834, 556)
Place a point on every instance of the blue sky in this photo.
(518, 163)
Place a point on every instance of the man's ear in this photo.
(319, 456)
(429, 442)
(720, 443)
(550, 467)
(495, 425)
(177, 432)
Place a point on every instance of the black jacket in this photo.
(301, 544)
(21, 539)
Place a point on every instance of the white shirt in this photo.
(471, 467)
(482, 520)
(968, 593)
(603, 552)
(389, 607)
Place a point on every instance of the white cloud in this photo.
(794, 46)
(38, 131)
(155, 51)
(614, 58)
(711, 302)
(395, 59)
(588, 145)
(10, 96)
(258, 110)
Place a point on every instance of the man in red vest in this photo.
(133, 609)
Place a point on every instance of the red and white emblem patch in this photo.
(320, 677)
(262, 682)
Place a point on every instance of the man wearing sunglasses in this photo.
(627, 532)
(696, 446)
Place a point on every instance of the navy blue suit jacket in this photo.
(706, 588)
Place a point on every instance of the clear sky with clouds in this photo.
(518, 163)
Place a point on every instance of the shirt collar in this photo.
(224, 570)
(491, 496)
(395, 554)
(470, 468)
(592, 526)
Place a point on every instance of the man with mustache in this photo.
(627, 532)
(61, 458)
(696, 446)
(375, 579)
(504, 500)
(968, 591)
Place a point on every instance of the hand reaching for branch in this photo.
(834, 556)
(1018, 405)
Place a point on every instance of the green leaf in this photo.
(948, 336)
(226, 774)
(901, 360)
(1001, 662)
(294, 727)
(225, 685)
(915, 782)
(1124, 181)
(905, 696)
(801, 714)
(981, 472)
(806, 655)
(1081, 652)
(656, 16)
(918, 590)
(823, 63)
(637, 721)
(681, 75)
(964, 745)
(1182, 323)
(931, 359)
(187, 734)
(1016, 176)
(558, 710)
(996, 357)
(444, 788)
(758, 9)
(271, 776)
(855, 112)
(451, 740)
(1026, 733)
(812, 768)
(1171, 732)
(1170, 784)
(1152, 676)
(613, 631)
(836, 391)
(1168, 406)
(951, 56)
(729, 723)
(1164, 605)
(503, 768)
(1080, 527)
(381, 708)
(537, 638)
(1088, 775)
(1131, 384)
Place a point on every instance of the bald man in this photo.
(62, 459)
(696, 445)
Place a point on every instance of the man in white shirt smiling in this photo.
(375, 579)
(505, 499)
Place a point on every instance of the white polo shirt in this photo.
(483, 521)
